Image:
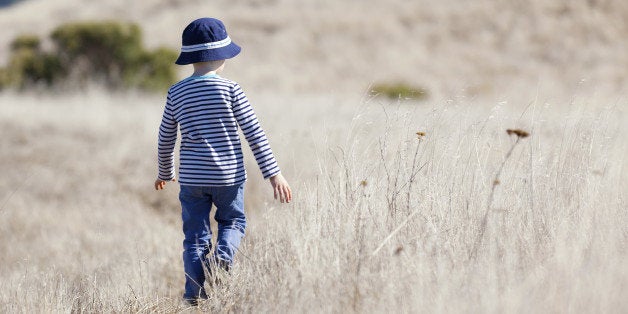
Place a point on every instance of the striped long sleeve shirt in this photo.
(208, 111)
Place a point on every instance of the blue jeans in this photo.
(196, 203)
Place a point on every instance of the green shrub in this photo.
(31, 42)
(155, 71)
(107, 52)
(29, 65)
(4, 79)
(112, 52)
(103, 51)
(400, 91)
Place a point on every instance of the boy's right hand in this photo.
(281, 188)
(160, 184)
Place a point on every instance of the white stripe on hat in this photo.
(207, 46)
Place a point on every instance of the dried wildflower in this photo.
(363, 183)
(518, 132)
(478, 241)
(420, 135)
(398, 250)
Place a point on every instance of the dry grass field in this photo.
(460, 218)
(381, 220)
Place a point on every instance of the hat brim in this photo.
(222, 53)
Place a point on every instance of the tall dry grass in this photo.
(382, 220)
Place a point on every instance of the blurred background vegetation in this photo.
(400, 90)
(110, 53)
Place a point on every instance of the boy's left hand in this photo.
(160, 184)
(281, 188)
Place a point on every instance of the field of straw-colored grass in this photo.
(382, 221)
(463, 218)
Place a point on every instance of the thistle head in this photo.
(518, 132)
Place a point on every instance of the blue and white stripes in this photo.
(209, 110)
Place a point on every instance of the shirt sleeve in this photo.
(253, 132)
(166, 143)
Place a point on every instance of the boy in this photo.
(208, 109)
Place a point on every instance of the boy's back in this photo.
(209, 110)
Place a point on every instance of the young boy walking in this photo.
(208, 109)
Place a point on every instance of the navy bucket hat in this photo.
(206, 39)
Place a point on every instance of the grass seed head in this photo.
(518, 132)
(398, 250)
(420, 135)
